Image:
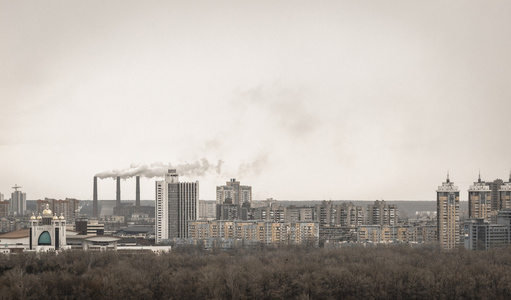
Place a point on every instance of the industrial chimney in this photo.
(137, 192)
(95, 198)
(118, 193)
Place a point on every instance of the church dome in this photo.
(39, 217)
(55, 217)
(32, 217)
(61, 217)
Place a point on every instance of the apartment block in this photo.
(262, 232)
(479, 200)
(448, 215)
(381, 213)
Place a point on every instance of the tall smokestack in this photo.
(137, 192)
(95, 198)
(118, 193)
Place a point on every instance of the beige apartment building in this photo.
(263, 232)
(479, 200)
(448, 215)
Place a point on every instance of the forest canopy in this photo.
(291, 273)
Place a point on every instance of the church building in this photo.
(47, 232)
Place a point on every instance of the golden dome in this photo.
(61, 216)
(55, 217)
(47, 211)
(39, 217)
(32, 217)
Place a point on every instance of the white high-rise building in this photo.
(18, 203)
(176, 204)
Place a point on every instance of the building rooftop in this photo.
(17, 234)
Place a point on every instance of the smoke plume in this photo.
(255, 167)
(158, 169)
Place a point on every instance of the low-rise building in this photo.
(483, 235)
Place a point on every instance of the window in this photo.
(44, 239)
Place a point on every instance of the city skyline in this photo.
(348, 101)
(128, 186)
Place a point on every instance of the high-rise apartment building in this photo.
(505, 194)
(326, 213)
(381, 213)
(207, 209)
(448, 215)
(479, 200)
(176, 204)
(273, 212)
(494, 187)
(18, 204)
(351, 216)
(4, 208)
(299, 214)
(233, 201)
(240, 194)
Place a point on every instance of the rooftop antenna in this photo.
(479, 179)
(447, 176)
(16, 187)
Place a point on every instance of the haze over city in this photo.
(303, 101)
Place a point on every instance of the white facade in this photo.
(176, 204)
(47, 232)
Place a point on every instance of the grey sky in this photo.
(300, 99)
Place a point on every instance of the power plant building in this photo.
(176, 204)
(120, 209)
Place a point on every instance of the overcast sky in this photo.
(342, 100)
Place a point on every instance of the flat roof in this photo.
(17, 234)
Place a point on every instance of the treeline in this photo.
(292, 273)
